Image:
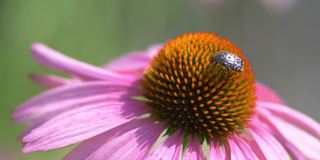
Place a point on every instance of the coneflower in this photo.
(196, 89)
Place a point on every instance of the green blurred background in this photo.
(281, 45)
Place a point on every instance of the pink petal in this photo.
(171, 148)
(131, 61)
(138, 60)
(50, 81)
(134, 63)
(279, 6)
(241, 150)
(154, 49)
(264, 93)
(194, 151)
(268, 144)
(219, 151)
(80, 124)
(255, 148)
(67, 97)
(300, 143)
(132, 140)
(52, 58)
(291, 115)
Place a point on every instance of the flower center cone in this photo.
(190, 89)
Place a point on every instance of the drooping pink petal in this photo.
(134, 61)
(138, 60)
(171, 148)
(264, 93)
(295, 117)
(241, 150)
(70, 96)
(255, 147)
(269, 145)
(132, 140)
(194, 151)
(153, 50)
(50, 81)
(80, 124)
(52, 58)
(301, 144)
(219, 151)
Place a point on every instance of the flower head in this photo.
(198, 88)
(189, 89)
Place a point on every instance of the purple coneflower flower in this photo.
(195, 90)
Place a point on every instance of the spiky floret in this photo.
(187, 90)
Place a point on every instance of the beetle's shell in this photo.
(229, 60)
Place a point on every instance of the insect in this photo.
(229, 60)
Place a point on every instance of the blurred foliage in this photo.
(93, 31)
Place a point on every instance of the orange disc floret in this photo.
(190, 89)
